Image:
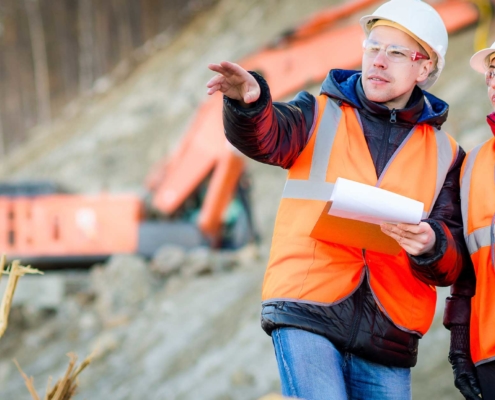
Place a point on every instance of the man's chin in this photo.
(377, 95)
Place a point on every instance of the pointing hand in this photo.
(234, 82)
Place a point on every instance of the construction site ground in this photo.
(185, 325)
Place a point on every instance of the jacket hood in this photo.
(342, 85)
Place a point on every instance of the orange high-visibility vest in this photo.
(478, 210)
(302, 269)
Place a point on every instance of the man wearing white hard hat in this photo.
(345, 321)
(470, 311)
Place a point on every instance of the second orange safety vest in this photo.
(302, 269)
(478, 212)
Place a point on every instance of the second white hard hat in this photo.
(480, 60)
(422, 20)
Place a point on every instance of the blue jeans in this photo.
(311, 368)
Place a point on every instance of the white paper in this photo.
(367, 203)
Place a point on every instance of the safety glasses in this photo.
(489, 75)
(394, 53)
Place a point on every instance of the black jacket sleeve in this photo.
(456, 318)
(272, 133)
(458, 305)
(450, 254)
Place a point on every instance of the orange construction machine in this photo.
(199, 195)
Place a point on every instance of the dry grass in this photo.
(65, 388)
(15, 272)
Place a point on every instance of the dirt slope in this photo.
(185, 337)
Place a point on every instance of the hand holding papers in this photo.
(355, 211)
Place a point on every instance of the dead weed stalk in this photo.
(65, 388)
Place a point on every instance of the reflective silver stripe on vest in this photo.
(307, 190)
(324, 141)
(445, 158)
(466, 186)
(478, 239)
(444, 162)
(316, 188)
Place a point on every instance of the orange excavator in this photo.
(198, 195)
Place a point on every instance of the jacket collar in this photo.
(410, 114)
(490, 118)
(423, 107)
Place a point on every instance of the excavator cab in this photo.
(234, 225)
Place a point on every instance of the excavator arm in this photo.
(330, 41)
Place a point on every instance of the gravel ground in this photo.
(186, 337)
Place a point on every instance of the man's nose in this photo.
(380, 60)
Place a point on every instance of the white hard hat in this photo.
(480, 60)
(420, 19)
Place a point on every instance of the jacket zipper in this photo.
(356, 320)
(393, 120)
(393, 116)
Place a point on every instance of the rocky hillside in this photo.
(186, 325)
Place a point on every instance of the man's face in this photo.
(389, 82)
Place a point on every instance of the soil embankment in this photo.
(192, 334)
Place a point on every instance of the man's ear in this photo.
(424, 70)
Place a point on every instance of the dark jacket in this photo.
(276, 133)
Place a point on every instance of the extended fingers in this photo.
(215, 84)
(232, 68)
(398, 235)
(392, 230)
(216, 80)
(414, 243)
(226, 68)
(214, 89)
(411, 246)
(414, 229)
(422, 233)
(408, 230)
(386, 227)
(218, 68)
